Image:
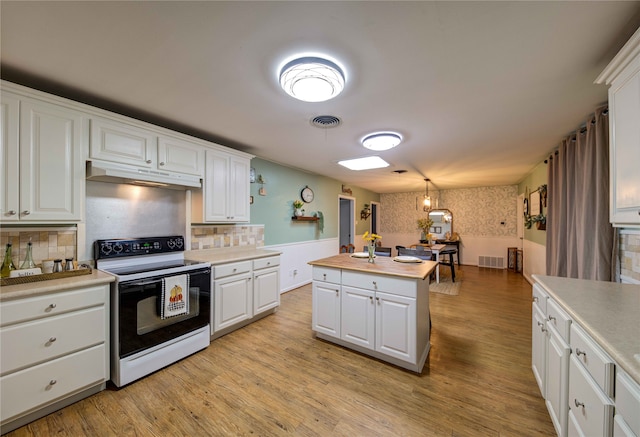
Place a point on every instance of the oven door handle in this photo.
(140, 283)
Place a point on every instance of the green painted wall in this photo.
(283, 185)
(531, 183)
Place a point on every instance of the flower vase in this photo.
(372, 248)
(298, 212)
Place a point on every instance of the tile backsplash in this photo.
(46, 243)
(219, 236)
(630, 254)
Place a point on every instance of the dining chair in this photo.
(398, 249)
(422, 254)
(443, 261)
(379, 251)
(347, 248)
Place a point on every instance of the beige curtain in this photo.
(580, 239)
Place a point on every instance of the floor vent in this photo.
(492, 262)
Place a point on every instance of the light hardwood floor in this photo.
(274, 378)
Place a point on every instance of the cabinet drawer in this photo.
(21, 310)
(593, 411)
(628, 401)
(231, 269)
(540, 298)
(597, 363)
(397, 286)
(559, 319)
(263, 263)
(32, 342)
(326, 274)
(39, 385)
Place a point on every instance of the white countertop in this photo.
(609, 312)
(228, 254)
(19, 291)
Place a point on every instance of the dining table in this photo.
(435, 249)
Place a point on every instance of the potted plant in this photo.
(424, 224)
(371, 243)
(297, 205)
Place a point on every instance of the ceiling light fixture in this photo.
(312, 79)
(379, 141)
(427, 199)
(367, 163)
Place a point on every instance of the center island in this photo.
(380, 309)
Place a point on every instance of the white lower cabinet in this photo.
(325, 290)
(46, 361)
(591, 410)
(558, 353)
(539, 337)
(244, 291)
(627, 418)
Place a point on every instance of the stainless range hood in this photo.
(128, 174)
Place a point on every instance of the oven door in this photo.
(139, 316)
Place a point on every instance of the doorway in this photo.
(375, 218)
(346, 220)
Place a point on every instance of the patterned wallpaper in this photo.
(476, 211)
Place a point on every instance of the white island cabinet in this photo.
(380, 309)
(623, 76)
(592, 375)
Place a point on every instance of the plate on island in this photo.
(361, 255)
(407, 259)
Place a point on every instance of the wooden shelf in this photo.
(303, 218)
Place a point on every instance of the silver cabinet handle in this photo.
(579, 352)
(324, 276)
(578, 404)
(552, 318)
(26, 212)
(11, 212)
(337, 292)
(149, 161)
(542, 328)
(371, 299)
(162, 163)
(53, 382)
(52, 339)
(52, 306)
(535, 298)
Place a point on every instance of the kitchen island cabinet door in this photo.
(51, 162)
(358, 325)
(396, 326)
(325, 315)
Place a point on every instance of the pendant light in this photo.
(427, 200)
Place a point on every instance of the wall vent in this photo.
(492, 262)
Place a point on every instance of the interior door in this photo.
(347, 222)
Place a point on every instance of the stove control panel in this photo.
(104, 249)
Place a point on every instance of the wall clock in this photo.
(307, 194)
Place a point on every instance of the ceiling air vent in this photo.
(325, 121)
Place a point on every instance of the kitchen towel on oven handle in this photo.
(175, 296)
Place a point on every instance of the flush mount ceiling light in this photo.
(379, 141)
(312, 79)
(367, 163)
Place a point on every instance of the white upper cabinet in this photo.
(42, 161)
(116, 141)
(224, 197)
(623, 76)
(178, 155)
(126, 144)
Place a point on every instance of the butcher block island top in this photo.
(380, 309)
(383, 265)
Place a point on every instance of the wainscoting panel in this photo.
(294, 270)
